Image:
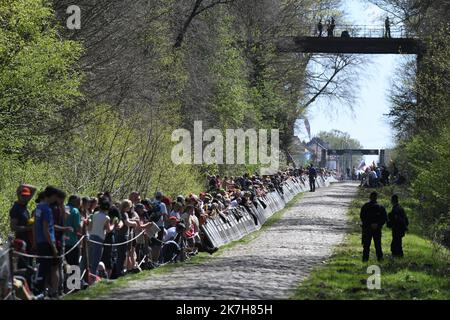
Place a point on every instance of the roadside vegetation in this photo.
(420, 113)
(93, 110)
(424, 272)
(106, 286)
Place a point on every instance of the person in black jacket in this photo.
(398, 222)
(373, 217)
(320, 28)
(312, 173)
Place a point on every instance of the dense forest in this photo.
(92, 109)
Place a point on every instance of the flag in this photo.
(308, 128)
(362, 165)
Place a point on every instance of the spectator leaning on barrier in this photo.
(124, 226)
(171, 230)
(108, 258)
(159, 216)
(59, 216)
(98, 228)
(175, 249)
(142, 241)
(131, 264)
(162, 229)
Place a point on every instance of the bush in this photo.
(428, 157)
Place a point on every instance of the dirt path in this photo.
(270, 266)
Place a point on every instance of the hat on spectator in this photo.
(193, 197)
(173, 219)
(25, 192)
(166, 200)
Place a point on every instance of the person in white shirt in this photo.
(98, 227)
(172, 230)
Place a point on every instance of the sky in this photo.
(367, 123)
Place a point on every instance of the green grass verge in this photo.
(104, 287)
(424, 272)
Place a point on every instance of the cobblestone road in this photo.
(270, 266)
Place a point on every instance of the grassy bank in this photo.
(104, 287)
(424, 272)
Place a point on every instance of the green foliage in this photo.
(339, 140)
(103, 157)
(427, 157)
(13, 173)
(39, 84)
(114, 133)
(38, 76)
(108, 287)
(107, 148)
(231, 105)
(420, 114)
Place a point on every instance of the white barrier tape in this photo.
(49, 257)
(5, 253)
(8, 296)
(117, 244)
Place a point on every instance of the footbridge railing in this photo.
(360, 31)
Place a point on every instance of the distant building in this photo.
(318, 148)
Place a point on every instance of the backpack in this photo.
(170, 251)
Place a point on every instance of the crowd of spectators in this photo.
(110, 238)
(375, 176)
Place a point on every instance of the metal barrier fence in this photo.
(239, 222)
